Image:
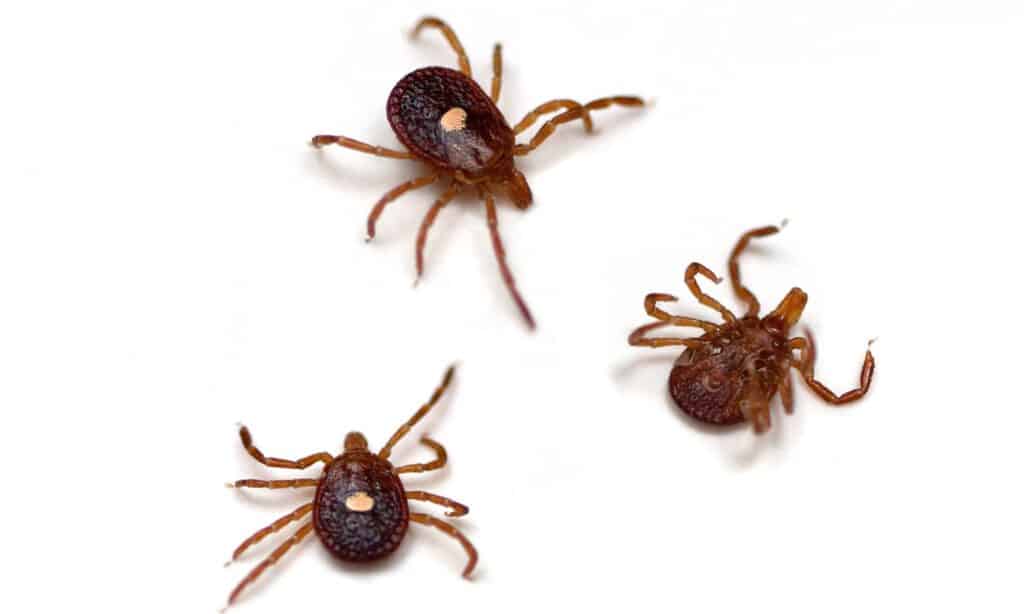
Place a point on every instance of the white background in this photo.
(174, 259)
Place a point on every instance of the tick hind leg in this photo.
(455, 508)
(744, 293)
(449, 34)
(806, 367)
(394, 193)
(270, 560)
(499, 254)
(692, 271)
(437, 463)
(453, 532)
(428, 221)
(385, 452)
(331, 139)
(273, 527)
(302, 463)
(571, 114)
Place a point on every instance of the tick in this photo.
(447, 121)
(731, 372)
(360, 509)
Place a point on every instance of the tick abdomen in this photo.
(360, 511)
(708, 383)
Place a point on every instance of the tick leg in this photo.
(573, 113)
(651, 306)
(499, 253)
(422, 411)
(457, 509)
(744, 294)
(496, 78)
(453, 532)
(428, 221)
(302, 463)
(327, 139)
(755, 404)
(449, 34)
(270, 560)
(276, 484)
(806, 366)
(786, 391)
(412, 184)
(691, 283)
(549, 107)
(440, 461)
(274, 527)
(637, 338)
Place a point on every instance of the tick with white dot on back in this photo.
(448, 122)
(360, 509)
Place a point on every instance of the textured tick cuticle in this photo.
(360, 509)
(731, 372)
(446, 120)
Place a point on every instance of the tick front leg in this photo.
(496, 78)
(692, 271)
(270, 560)
(456, 508)
(275, 484)
(806, 366)
(651, 306)
(274, 527)
(440, 461)
(412, 184)
(453, 532)
(638, 338)
(499, 254)
(744, 294)
(573, 113)
(302, 463)
(330, 139)
(449, 34)
(428, 221)
(422, 411)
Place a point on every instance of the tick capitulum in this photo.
(731, 372)
(449, 123)
(360, 510)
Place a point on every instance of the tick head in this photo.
(355, 441)
(789, 310)
(518, 189)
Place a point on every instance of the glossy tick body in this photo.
(731, 372)
(360, 509)
(447, 121)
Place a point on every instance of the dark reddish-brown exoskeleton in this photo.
(448, 122)
(731, 372)
(360, 510)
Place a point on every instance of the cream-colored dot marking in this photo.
(453, 119)
(359, 502)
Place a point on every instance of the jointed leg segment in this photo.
(449, 34)
(327, 139)
(496, 78)
(385, 452)
(744, 294)
(453, 532)
(274, 527)
(637, 337)
(651, 306)
(549, 107)
(691, 283)
(455, 508)
(276, 484)
(302, 463)
(412, 184)
(439, 462)
(428, 221)
(499, 253)
(573, 113)
(270, 560)
(806, 366)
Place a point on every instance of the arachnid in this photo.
(360, 510)
(732, 371)
(448, 122)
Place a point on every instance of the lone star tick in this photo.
(360, 509)
(448, 122)
(731, 372)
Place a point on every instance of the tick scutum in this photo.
(360, 511)
(444, 116)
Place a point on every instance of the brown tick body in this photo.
(360, 510)
(447, 121)
(731, 372)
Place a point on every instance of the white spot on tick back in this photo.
(359, 502)
(453, 119)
